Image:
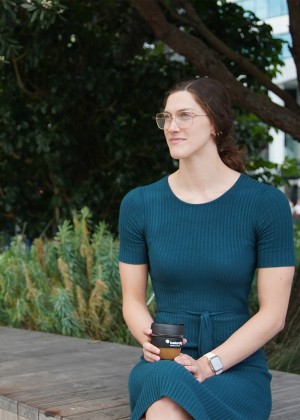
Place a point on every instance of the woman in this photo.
(201, 233)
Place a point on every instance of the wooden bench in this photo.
(46, 376)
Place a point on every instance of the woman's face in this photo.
(194, 140)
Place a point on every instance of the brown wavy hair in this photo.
(215, 101)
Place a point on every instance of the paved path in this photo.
(45, 376)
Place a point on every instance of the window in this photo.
(286, 53)
(265, 8)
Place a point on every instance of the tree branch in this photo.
(195, 21)
(208, 63)
(19, 78)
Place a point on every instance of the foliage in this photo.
(69, 285)
(253, 37)
(255, 136)
(74, 124)
(272, 173)
(78, 92)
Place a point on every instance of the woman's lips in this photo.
(176, 140)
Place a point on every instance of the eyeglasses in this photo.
(183, 119)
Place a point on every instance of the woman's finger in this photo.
(151, 353)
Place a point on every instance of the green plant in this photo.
(69, 285)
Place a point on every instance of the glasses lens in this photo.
(161, 120)
(184, 119)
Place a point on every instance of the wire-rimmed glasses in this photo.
(183, 119)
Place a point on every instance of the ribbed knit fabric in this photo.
(202, 259)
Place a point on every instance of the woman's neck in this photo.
(199, 183)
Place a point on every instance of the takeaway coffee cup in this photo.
(168, 338)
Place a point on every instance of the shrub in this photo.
(69, 285)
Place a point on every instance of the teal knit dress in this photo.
(202, 259)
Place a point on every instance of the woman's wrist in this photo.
(204, 368)
(214, 362)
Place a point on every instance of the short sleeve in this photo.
(274, 233)
(133, 247)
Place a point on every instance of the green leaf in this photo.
(29, 7)
(34, 16)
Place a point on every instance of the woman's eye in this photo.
(184, 115)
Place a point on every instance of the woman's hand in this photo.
(199, 368)
(151, 353)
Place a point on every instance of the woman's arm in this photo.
(274, 287)
(134, 280)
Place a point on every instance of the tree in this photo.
(80, 83)
(77, 105)
(180, 25)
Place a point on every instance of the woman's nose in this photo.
(173, 125)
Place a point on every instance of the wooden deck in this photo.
(46, 376)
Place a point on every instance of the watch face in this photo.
(216, 363)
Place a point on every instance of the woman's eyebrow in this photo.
(180, 110)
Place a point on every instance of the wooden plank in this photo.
(63, 376)
(7, 415)
(286, 396)
(46, 376)
(27, 412)
(8, 404)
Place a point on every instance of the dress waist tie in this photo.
(201, 324)
(205, 342)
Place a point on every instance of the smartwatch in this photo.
(214, 362)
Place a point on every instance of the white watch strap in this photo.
(210, 355)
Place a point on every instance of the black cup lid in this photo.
(168, 329)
